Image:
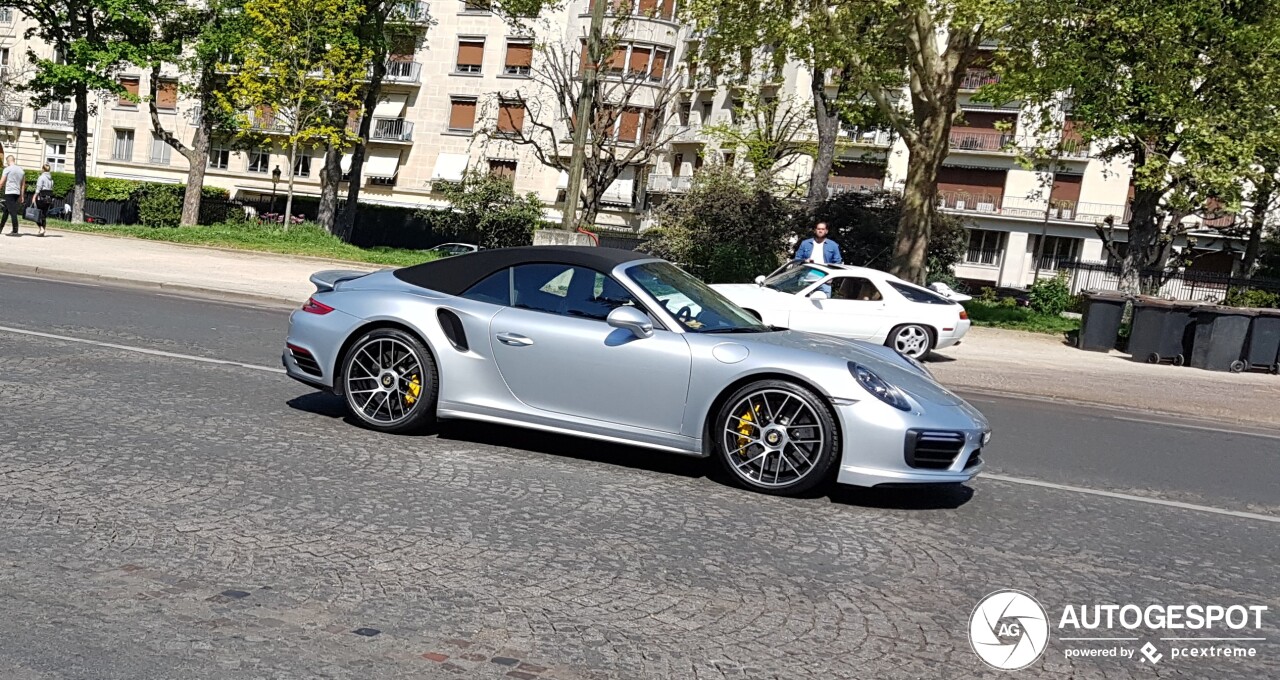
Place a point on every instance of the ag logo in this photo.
(1008, 630)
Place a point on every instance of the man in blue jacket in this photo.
(818, 249)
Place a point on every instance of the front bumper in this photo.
(875, 443)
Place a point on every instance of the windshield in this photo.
(695, 306)
(794, 278)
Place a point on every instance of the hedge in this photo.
(111, 189)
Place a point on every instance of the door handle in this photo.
(514, 339)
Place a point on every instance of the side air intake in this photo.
(452, 327)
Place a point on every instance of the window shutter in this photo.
(519, 54)
(470, 53)
(130, 87)
(630, 125)
(640, 59)
(510, 117)
(659, 70)
(648, 8)
(619, 60)
(167, 94)
(462, 114)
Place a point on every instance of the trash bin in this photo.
(1160, 330)
(1103, 311)
(1262, 351)
(1219, 337)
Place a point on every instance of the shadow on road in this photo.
(913, 497)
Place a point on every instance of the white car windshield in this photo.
(794, 278)
(697, 307)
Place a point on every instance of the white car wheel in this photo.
(912, 340)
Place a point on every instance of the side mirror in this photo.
(631, 319)
(818, 295)
(760, 280)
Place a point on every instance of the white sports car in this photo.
(853, 302)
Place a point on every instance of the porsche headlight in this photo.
(877, 386)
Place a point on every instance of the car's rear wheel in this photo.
(911, 339)
(390, 381)
(777, 437)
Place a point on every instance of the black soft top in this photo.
(454, 275)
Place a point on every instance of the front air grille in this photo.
(933, 449)
(305, 361)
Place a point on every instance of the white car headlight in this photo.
(877, 386)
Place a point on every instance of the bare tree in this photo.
(634, 100)
(18, 71)
(774, 132)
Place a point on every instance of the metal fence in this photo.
(1187, 285)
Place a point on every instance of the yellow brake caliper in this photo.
(415, 389)
(746, 425)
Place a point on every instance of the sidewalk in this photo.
(191, 269)
(997, 361)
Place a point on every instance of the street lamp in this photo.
(275, 179)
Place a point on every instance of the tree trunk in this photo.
(828, 124)
(288, 201)
(198, 155)
(1143, 250)
(346, 220)
(1262, 199)
(80, 120)
(330, 175)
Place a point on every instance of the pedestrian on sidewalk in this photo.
(15, 192)
(44, 197)
(819, 249)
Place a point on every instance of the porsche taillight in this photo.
(314, 307)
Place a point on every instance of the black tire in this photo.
(802, 417)
(1153, 358)
(1238, 366)
(1179, 360)
(1275, 369)
(917, 339)
(405, 414)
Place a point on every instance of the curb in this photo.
(197, 291)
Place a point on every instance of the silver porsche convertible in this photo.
(624, 347)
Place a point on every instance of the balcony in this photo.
(859, 137)
(11, 114)
(1059, 210)
(669, 184)
(54, 116)
(402, 72)
(416, 14)
(391, 130)
(991, 257)
(686, 134)
(981, 141)
(835, 187)
(269, 125)
(975, 78)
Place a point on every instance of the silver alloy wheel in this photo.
(385, 380)
(773, 438)
(912, 341)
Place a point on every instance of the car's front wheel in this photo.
(777, 437)
(390, 381)
(911, 339)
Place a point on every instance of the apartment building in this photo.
(446, 84)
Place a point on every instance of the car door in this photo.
(557, 354)
(855, 308)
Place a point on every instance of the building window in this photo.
(259, 161)
(160, 151)
(475, 6)
(55, 155)
(638, 63)
(985, 247)
(503, 169)
(519, 58)
(6, 15)
(382, 181)
(462, 114)
(167, 95)
(1057, 249)
(302, 166)
(510, 118)
(219, 159)
(123, 149)
(470, 55)
(130, 86)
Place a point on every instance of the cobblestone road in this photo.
(168, 519)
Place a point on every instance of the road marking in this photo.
(44, 280)
(142, 350)
(1221, 430)
(1129, 497)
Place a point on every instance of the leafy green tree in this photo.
(487, 206)
(726, 229)
(1185, 90)
(859, 52)
(86, 36)
(298, 68)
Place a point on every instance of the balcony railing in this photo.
(993, 141)
(670, 184)
(403, 72)
(984, 256)
(862, 137)
(391, 130)
(835, 188)
(417, 13)
(54, 116)
(975, 78)
(269, 125)
(685, 134)
(10, 114)
(1026, 208)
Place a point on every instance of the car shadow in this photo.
(935, 358)
(906, 497)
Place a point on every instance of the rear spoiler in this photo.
(330, 278)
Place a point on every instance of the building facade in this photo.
(452, 61)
